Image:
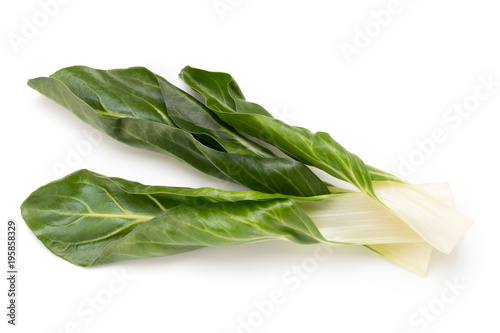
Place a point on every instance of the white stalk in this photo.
(357, 219)
(412, 256)
(437, 223)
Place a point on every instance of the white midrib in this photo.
(125, 215)
(135, 217)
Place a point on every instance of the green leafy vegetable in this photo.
(439, 224)
(141, 109)
(89, 219)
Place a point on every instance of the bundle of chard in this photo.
(89, 219)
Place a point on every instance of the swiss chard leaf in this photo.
(440, 225)
(192, 116)
(141, 109)
(223, 96)
(89, 219)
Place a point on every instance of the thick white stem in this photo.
(412, 256)
(355, 218)
(437, 223)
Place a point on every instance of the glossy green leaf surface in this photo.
(89, 219)
(223, 96)
(440, 225)
(141, 109)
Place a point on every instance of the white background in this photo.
(286, 56)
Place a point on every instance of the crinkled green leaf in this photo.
(139, 108)
(317, 149)
(437, 223)
(190, 115)
(88, 219)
